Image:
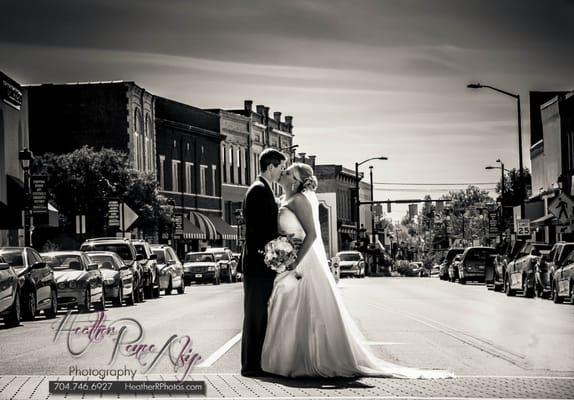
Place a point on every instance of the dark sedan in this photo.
(38, 290)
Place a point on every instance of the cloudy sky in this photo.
(361, 78)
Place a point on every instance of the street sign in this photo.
(39, 194)
(493, 230)
(127, 217)
(562, 207)
(114, 213)
(522, 227)
(178, 218)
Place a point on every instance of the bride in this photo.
(309, 331)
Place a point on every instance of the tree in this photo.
(512, 187)
(83, 181)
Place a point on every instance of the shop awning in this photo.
(225, 230)
(191, 231)
(204, 224)
(543, 221)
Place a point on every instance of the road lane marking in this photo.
(220, 352)
(382, 343)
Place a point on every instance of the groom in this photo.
(260, 212)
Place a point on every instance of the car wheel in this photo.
(507, 289)
(29, 311)
(130, 300)
(155, 292)
(462, 281)
(181, 288)
(15, 316)
(53, 310)
(216, 280)
(538, 290)
(86, 307)
(528, 292)
(117, 302)
(571, 292)
(101, 305)
(556, 297)
(230, 277)
(148, 291)
(169, 287)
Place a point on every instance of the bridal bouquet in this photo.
(281, 253)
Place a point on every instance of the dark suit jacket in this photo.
(260, 215)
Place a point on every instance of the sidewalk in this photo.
(230, 386)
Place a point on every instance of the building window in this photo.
(175, 175)
(231, 164)
(202, 179)
(213, 180)
(189, 177)
(161, 172)
(238, 164)
(136, 147)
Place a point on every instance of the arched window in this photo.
(138, 140)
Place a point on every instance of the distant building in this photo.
(552, 158)
(116, 114)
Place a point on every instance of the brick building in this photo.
(117, 115)
(189, 172)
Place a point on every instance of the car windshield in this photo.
(104, 261)
(121, 250)
(13, 258)
(140, 248)
(349, 257)
(160, 256)
(199, 257)
(479, 254)
(64, 261)
(452, 254)
(220, 256)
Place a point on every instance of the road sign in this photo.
(562, 207)
(114, 213)
(493, 230)
(39, 194)
(127, 217)
(178, 218)
(522, 227)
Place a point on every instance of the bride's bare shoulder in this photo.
(300, 201)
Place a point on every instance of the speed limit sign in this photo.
(523, 227)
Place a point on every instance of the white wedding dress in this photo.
(309, 331)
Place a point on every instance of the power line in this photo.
(434, 183)
(423, 190)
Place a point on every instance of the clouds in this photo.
(358, 76)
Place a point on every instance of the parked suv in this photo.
(547, 265)
(351, 263)
(472, 266)
(520, 271)
(38, 290)
(149, 265)
(563, 286)
(227, 265)
(127, 252)
(450, 255)
(200, 267)
(453, 268)
(507, 252)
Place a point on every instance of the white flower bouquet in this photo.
(281, 253)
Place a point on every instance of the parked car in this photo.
(118, 277)
(38, 290)
(335, 266)
(507, 252)
(417, 269)
(520, 271)
(170, 269)
(9, 294)
(201, 267)
(351, 263)
(239, 274)
(563, 287)
(453, 268)
(149, 266)
(80, 281)
(547, 265)
(125, 249)
(444, 266)
(227, 266)
(472, 265)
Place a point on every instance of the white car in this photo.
(351, 263)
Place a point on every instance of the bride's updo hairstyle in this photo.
(304, 175)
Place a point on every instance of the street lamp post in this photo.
(520, 163)
(26, 157)
(357, 200)
(502, 190)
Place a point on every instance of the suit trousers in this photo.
(257, 291)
